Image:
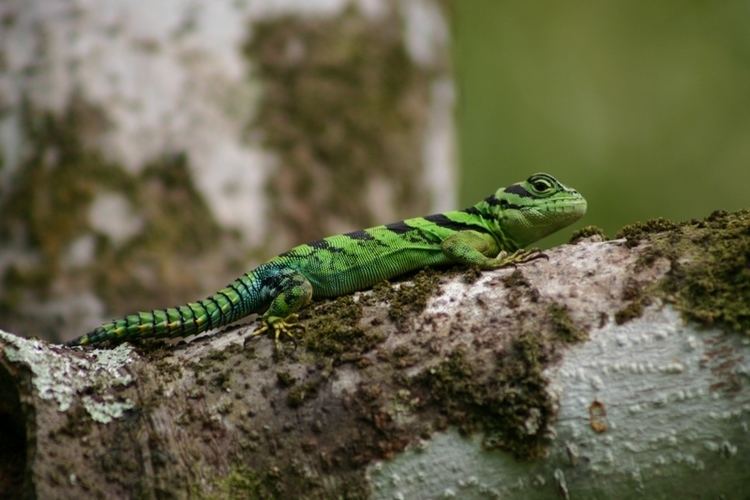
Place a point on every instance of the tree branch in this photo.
(573, 375)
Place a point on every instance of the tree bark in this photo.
(158, 149)
(576, 376)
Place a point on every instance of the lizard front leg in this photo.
(479, 249)
(294, 292)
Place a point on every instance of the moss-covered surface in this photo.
(563, 327)
(285, 480)
(243, 482)
(636, 299)
(709, 276)
(302, 375)
(333, 332)
(507, 398)
(408, 299)
(519, 288)
(634, 233)
(47, 211)
(342, 106)
(508, 405)
(300, 393)
(587, 232)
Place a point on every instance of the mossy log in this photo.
(612, 369)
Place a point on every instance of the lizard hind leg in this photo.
(294, 292)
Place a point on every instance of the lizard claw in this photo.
(521, 257)
(279, 326)
(533, 254)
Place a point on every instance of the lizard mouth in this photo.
(564, 206)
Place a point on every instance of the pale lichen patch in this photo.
(107, 408)
(59, 376)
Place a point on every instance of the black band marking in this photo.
(192, 316)
(505, 204)
(182, 321)
(399, 227)
(492, 200)
(443, 221)
(223, 294)
(153, 323)
(359, 235)
(320, 244)
(517, 189)
(292, 254)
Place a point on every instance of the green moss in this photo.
(244, 482)
(637, 300)
(285, 379)
(332, 330)
(471, 274)
(519, 287)
(587, 232)
(636, 232)
(409, 298)
(222, 380)
(563, 326)
(709, 276)
(630, 312)
(510, 405)
(713, 287)
(506, 398)
(277, 479)
(403, 357)
(516, 279)
(300, 393)
(336, 113)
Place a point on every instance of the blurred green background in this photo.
(643, 106)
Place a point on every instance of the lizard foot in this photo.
(520, 257)
(279, 326)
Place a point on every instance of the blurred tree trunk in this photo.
(567, 378)
(150, 151)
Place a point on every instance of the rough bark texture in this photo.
(157, 148)
(574, 377)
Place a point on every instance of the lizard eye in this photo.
(541, 185)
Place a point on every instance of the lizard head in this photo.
(530, 210)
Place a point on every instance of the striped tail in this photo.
(240, 298)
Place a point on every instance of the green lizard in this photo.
(489, 235)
